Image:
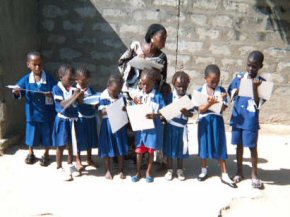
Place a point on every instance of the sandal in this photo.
(135, 178)
(237, 178)
(44, 161)
(30, 159)
(258, 184)
(149, 179)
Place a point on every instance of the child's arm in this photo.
(225, 103)
(186, 113)
(72, 99)
(256, 84)
(211, 100)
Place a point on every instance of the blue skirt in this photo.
(87, 134)
(112, 145)
(38, 133)
(212, 138)
(61, 134)
(152, 138)
(173, 142)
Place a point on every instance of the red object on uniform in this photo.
(142, 149)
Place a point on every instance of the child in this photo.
(112, 144)
(211, 129)
(67, 114)
(87, 121)
(39, 107)
(245, 117)
(148, 140)
(175, 142)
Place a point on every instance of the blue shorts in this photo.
(38, 133)
(247, 138)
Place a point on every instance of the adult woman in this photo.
(149, 49)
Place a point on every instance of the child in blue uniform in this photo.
(64, 134)
(39, 107)
(152, 139)
(245, 116)
(87, 120)
(211, 129)
(112, 144)
(176, 141)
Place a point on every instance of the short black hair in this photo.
(257, 56)
(64, 69)
(212, 68)
(152, 74)
(184, 77)
(33, 54)
(152, 30)
(115, 78)
(83, 71)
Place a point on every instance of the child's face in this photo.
(147, 84)
(67, 79)
(253, 66)
(212, 80)
(159, 39)
(180, 86)
(35, 64)
(114, 89)
(83, 81)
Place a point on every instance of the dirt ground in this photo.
(31, 190)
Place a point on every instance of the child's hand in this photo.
(137, 101)
(104, 112)
(186, 113)
(224, 96)
(48, 94)
(124, 109)
(151, 116)
(256, 83)
(16, 91)
(212, 100)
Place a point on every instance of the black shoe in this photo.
(231, 184)
(30, 159)
(44, 161)
(202, 178)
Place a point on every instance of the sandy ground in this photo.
(31, 190)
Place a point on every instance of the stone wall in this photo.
(200, 32)
(18, 35)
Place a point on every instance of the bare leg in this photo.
(150, 165)
(90, 161)
(59, 154)
(70, 154)
(80, 167)
(46, 152)
(139, 164)
(108, 174)
(239, 157)
(169, 163)
(30, 151)
(223, 166)
(121, 167)
(254, 158)
(179, 163)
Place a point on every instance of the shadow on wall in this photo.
(278, 12)
(77, 33)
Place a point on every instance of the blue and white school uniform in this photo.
(87, 133)
(66, 119)
(176, 134)
(39, 109)
(211, 131)
(151, 138)
(111, 144)
(245, 116)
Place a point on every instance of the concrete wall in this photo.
(18, 35)
(96, 32)
(200, 32)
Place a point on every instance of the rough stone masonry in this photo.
(95, 33)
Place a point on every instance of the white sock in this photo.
(226, 177)
(203, 172)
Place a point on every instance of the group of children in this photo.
(56, 116)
